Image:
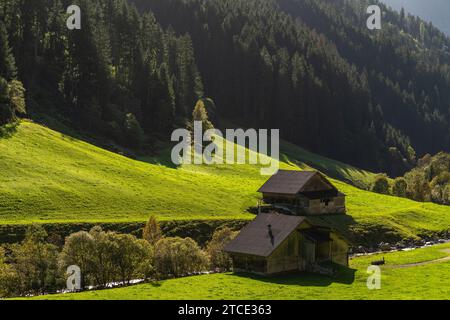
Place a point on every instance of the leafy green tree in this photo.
(79, 250)
(8, 277)
(104, 270)
(35, 263)
(152, 231)
(440, 186)
(175, 257)
(418, 186)
(133, 258)
(399, 187)
(218, 258)
(430, 180)
(12, 100)
(381, 185)
(106, 257)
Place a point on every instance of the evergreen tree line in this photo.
(12, 98)
(313, 69)
(121, 76)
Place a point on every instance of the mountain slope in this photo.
(48, 177)
(308, 67)
(435, 11)
(313, 69)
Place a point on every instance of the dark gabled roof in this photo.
(255, 238)
(289, 182)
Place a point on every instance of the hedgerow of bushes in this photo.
(38, 264)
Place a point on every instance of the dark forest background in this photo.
(378, 99)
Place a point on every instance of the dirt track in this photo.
(422, 263)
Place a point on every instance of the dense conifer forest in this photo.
(378, 99)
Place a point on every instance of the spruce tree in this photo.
(5, 106)
(7, 63)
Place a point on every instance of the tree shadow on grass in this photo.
(156, 284)
(344, 275)
(162, 159)
(303, 159)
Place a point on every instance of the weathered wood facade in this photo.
(303, 193)
(275, 243)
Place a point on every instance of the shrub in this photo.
(33, 265)
(418, 186)
(78, 250)
(106, 257)
(399, 187)
(381, 185)
(132, 257)
(8, 278)
(177, 257)
(220, 259)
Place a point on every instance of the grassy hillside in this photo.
(399, 280)
(49, 177)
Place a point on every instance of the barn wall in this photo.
(278, 196)
(323, 251)
(339, 250)
(248, 263)
(339, 203)
(314, 207)
(288, 256)
(285, 258)
(335, 206)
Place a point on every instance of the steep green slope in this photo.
(48, 177)
(398, 281)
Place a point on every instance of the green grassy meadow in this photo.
(430, 281)
(48, 177)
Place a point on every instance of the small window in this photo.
(325, 201)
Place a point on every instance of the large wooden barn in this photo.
(277, 243)
(303, 193)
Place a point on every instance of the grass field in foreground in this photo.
(49, 177)
(430, 281)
